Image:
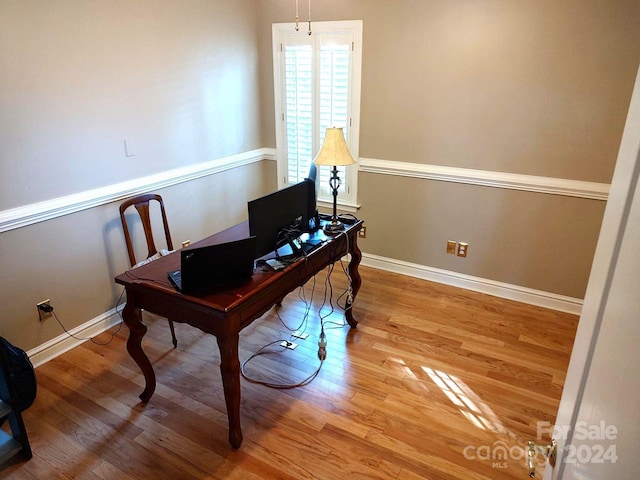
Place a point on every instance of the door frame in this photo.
(616, 216)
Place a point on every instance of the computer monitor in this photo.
(292, 208)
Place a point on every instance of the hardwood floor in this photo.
(435, 383)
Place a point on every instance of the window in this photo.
(317, 85)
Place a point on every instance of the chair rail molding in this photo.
(487, 178)
(39, 212)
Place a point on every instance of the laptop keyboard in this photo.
(176, 278)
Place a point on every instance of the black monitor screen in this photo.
(290, 208)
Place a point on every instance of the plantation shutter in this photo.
(317, 77)
(298, 79)
(334, 72)
(317, 86)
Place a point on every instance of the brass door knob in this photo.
(533, 449)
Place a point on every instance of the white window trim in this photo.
(347, 200)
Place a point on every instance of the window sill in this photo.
(344, 207)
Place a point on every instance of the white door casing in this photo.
(597, 426)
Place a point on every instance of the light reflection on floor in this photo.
(468, 403)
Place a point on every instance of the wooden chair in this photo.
(142, 204)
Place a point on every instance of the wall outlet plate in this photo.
(463, 249)
(451, 247)
(42, 315)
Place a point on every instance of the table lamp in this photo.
(334, 152)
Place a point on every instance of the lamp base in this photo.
(333, 228)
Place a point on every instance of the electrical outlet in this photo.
(451, 247)
(186, 243)
(463, 249)
(45, 310)
(289, 345)
(362, 233)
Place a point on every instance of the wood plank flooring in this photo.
(435, 383)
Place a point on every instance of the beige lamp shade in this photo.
(334, 149)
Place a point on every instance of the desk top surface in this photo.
(153, 275)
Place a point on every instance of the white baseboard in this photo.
(498, 289)
(63, 343)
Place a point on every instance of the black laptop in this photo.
(205, 268)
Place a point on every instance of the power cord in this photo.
(324, 323)
(49, 309)
(281, 386)
(322, 346)
(284, 344)
(302, 327)
(348, 293)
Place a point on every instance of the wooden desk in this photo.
(225, 313)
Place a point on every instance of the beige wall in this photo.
(531, 87)
(73, 259)
(525, 87)
(178, 80)
(527, 239)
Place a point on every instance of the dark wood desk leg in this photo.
(356, 281)
(133, 319)
(230, 369)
